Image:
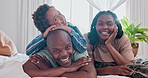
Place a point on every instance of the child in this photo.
(47, 18)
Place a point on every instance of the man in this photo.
(59, 59)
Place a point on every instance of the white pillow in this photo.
(7, 47)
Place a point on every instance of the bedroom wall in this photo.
(16, 20)
(138, 9)
(8, 18)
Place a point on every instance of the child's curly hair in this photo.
(39, 17)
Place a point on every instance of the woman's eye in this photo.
(100, 23)
(109, 24)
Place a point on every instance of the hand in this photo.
(120, 70)
(55, 27)
(78, 64)
(66, 28)
(47, 30)
(41, 63)
(112, 36)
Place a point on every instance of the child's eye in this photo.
(60, 13)
(55, 19)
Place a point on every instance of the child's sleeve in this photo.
(78, 40)
(35, 45)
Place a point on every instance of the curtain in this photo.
(26, 29)
(102, 5)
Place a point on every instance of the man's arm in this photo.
(33, 71)
(38, 66)
(84, 72)
(87, 71)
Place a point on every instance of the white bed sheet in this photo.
(106, 76)
(11, 67)
(111, 76)
(22, 58)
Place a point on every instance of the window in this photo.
(78, 12)
(120, 11)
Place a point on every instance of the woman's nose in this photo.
(105, 26)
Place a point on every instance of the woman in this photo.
(108, 46)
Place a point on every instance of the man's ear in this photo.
(48, 49)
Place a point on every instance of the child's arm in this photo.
(78, 40)
(39, 42)
(35, 45)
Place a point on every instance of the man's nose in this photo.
(64, 53)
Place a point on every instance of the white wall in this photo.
(8, 18)
(138, 9)
(16, 20)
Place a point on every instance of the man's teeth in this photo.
(64, 60)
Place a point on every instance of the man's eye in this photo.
(68, 47)
(56, 51)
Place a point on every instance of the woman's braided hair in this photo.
(93, 36)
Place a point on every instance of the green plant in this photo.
(134, 32)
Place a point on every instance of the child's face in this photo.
(105, 26)
(55, 17)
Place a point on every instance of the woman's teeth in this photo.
(104, 32)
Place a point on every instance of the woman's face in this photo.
(55, 17)
(105, 26)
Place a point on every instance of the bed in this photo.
(11, 67)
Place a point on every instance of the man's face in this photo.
(60, 47)
(55, 17)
